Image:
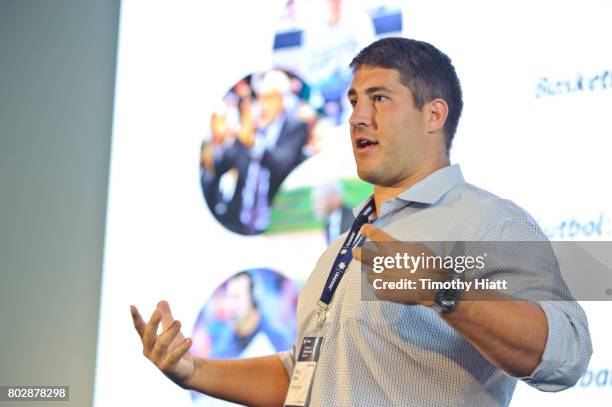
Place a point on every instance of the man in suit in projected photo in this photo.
(267, 148)
(423, 347)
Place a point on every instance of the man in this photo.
(406, 102)
(267, 148)
(331, 39)
(328, 206)
(248, 331)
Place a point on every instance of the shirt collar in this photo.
(428, 190)
(272, 131)
(431, 188)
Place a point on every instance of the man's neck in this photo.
(384, 193)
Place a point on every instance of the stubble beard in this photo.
(379, 175)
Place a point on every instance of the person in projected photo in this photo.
(328, 206)
(248, 331)
(243, 168)
(420, 347)
(218, 190)
(332, 36)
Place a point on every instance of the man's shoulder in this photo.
(491, 211)
(470, 195)
(467, 212)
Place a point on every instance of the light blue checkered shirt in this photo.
(379, 353)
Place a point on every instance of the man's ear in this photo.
(437, 112)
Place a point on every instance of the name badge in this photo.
(303, 373)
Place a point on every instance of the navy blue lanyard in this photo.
(344, 256)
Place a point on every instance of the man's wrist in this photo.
(197, 366)
(446, 300)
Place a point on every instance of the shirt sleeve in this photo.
(568, 347)
(287, 358)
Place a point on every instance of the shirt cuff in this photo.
(287, 360)
(545, 376)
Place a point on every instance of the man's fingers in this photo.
(387, 246)
(375, 234)
(166, 314)
(162, 343)
(167, 319)
(150, 331)
(364, 256)
(139, 324)
(173, 357)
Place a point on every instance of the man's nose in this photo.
(361, 115)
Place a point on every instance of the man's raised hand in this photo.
(168, 351)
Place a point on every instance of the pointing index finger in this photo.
(375, 234)
(379, 238)
(364, 256)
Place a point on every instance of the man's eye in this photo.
(379, 98)
(353, 102)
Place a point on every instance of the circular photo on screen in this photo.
(318, 39)
(252, 313)
(259, 133)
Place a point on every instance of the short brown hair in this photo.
(424, 69)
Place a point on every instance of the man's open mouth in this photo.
(362, 143)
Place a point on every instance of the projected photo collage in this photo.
(277, 162)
